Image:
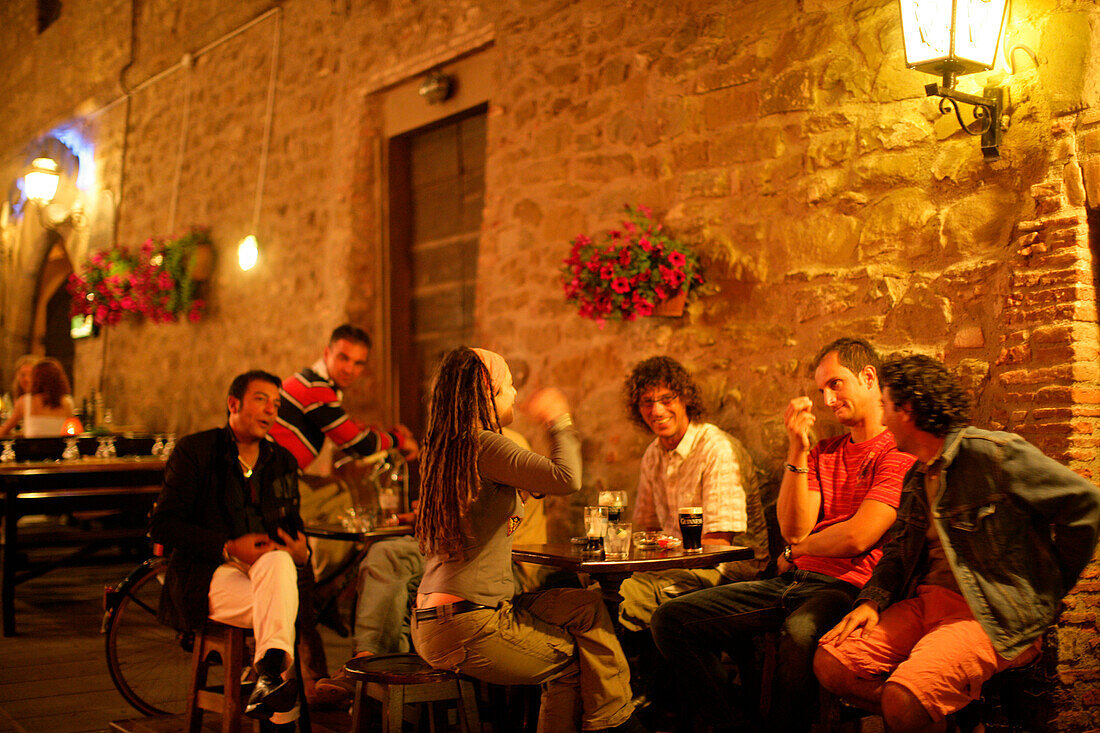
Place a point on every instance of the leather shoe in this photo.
(272, 694)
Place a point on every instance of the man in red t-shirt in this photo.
(837, 500)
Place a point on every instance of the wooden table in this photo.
(60, 487)
(339, 532)
(610, 574)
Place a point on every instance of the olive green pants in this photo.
(560, 638)
(642, 592)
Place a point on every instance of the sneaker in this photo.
(337, 690)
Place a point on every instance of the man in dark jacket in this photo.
(991, 534)
(228, 513)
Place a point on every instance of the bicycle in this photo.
(148, 662)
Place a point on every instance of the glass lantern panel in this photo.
(926, 28)
(977, 30)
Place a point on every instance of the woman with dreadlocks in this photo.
(468, 617)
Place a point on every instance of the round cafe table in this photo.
(610, 574)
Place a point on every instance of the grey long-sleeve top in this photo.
(484, 572)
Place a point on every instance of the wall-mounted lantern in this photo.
(951, 38)
(40, 181)
(40, 186)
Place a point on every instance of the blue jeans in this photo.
(692, 631)
(388, 578)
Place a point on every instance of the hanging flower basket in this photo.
(636, 271)
(158, 282)
(673, 307)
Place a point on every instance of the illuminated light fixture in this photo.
(248, 253)
(40, 182)
(952, 38)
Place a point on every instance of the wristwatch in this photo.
(787, 554)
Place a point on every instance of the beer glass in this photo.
(691, 528)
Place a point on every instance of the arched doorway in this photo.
(51, 332)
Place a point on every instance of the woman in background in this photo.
(21, 382)
(44, 410)
(468, 617)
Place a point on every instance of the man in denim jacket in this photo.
(991, 534)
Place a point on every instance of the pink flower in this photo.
(607, 272)
(676, 259)
(620, 285)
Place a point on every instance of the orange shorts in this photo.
(932, 646)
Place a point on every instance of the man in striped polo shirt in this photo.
(836, 501)
(311, 412)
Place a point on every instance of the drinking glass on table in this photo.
(389, 501)
(691, 528)
(616, 542)
(8, 454)
(595, 527)
(72, 449)
(615, 501)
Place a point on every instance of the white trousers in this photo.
(264, 599)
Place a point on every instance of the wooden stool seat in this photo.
(228, 699)
(397, 680)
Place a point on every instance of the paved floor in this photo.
(53, 677)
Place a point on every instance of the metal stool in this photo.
(397, 680)
(228, 642)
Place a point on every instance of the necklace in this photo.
(245, 468)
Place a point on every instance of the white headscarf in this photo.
(498, 368)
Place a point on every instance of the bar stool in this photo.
(229, 643)
(397, 680)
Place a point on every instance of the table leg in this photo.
(11, 559)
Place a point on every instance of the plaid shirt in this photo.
(700, 471)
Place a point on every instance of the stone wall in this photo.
(782, 138)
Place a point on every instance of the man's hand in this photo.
(546, 405)
(410, 449)
(297, 547)
(864, 616)
(248, 548)
(782, 566)
(799, 420)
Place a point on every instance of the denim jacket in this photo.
(1016, 526)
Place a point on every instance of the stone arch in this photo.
(41, 255)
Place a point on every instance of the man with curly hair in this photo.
(837, 499)
(689, 463)
(991, 534)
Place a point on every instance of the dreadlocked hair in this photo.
(461, 405)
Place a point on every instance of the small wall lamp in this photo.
(40, 181)
(436, 87)
(951, 38)
(248, 253)
(40, 185)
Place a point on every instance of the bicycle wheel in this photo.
(147, 660)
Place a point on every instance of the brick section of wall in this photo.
(783, 140)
